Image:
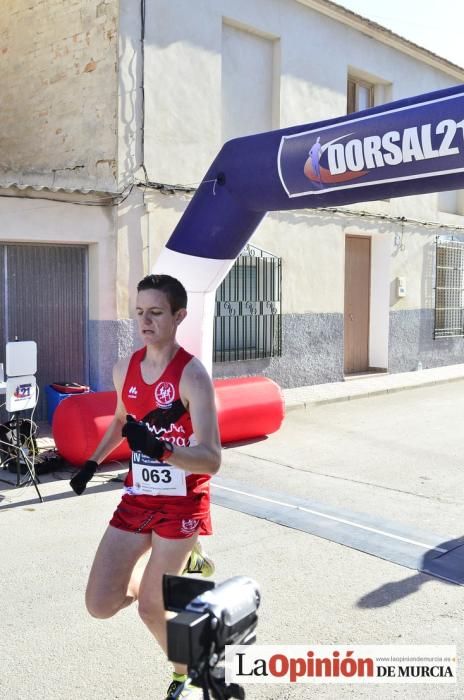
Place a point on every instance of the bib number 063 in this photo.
(155, 476)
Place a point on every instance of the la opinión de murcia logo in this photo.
(359, 664)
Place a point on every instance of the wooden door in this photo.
(357, 303)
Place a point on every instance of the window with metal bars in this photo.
(248, 320)
(449, 288)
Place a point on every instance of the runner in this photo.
(165, 408)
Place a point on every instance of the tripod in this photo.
(18, 448)
(212, 680)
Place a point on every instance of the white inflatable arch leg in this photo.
(200, 277)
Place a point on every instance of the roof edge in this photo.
(384, 35)
(58, 194)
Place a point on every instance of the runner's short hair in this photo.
(174, 290)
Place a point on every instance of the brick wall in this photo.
(58, 68)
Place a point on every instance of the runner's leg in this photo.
(112, 583)
(167, 557)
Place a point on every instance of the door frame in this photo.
(379, 292)
(368, 320)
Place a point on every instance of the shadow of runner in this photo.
(106, 485)
(447, 565)
(446, 562)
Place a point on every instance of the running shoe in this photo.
(191, 692)
(199, 562)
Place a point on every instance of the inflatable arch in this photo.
(403, 148)
(408, 147)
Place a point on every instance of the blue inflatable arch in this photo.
(408, 147)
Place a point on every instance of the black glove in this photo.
(83, 476)
(140, 438)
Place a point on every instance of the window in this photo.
(249, 82)
(360, 95)
(449, 288)
(451, 202)
(248, 321)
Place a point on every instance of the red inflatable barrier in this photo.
(247, 407)
(79, 423)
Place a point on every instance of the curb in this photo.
(334, 392)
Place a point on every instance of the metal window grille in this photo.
(449, 288)
(248, 319)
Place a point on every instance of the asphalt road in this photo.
(397, 458)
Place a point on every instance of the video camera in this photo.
(209, 618)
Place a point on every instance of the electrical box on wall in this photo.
(401, 286)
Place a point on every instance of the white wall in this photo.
(130, 108)
(187, 42)
(381, 249)
(247, 80)
(413, 257)
(202, 60)
(44, 221)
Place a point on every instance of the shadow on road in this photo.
(445, 562)
(16, 497)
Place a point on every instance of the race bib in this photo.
(152, 478)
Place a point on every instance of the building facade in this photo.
(115, 111)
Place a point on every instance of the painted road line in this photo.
(395, 542)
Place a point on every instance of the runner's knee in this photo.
(102, 607)
(151, 610)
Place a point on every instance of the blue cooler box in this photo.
(56, 393)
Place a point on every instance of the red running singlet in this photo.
(159, 406)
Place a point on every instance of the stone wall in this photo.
(59, 93)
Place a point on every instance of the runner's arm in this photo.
(197, 394)
(112, 437)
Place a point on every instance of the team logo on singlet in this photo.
(164, 394)
(188, 527)
(132, 393)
